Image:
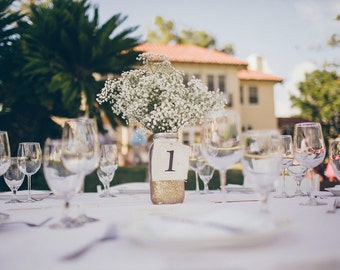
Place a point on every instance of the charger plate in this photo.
(216, 229)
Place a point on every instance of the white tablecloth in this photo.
(311, 239)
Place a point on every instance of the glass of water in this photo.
(14, 179)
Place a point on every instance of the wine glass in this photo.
(63, 183)
(14, 179)
(108, 164)
(309, 151)
(334, 156)
(297, 171)
(287, 159)
(196, 161)
(221, 142)
(29, 162)
(81, 151)
(261, 162)
(5, 153)
(206, 173)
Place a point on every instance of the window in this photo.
(211, 86)
(221, 83)
(241, 94)
(185, 79)
(197, 76)
(253, 95)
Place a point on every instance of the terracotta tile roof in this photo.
(257, 75)
(191, 54)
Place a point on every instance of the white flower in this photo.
(156, 97)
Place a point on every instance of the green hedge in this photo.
(133, 174)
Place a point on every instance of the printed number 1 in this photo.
(171, 161)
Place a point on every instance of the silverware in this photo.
(110, 234)
(30, 224)
(334, 206)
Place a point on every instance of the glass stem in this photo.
(107, 192)
(206, 188)
(223, 182)
(284, 182)
(298, 186)
(197, 184)
(81, 192)
(264, 206)
(14, 194)
(311, 185)
(29, 187)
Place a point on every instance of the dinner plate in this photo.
(22, 194)
(334, 190)
(3, 217)
(216, 229)
(239, 188)
(133, 188)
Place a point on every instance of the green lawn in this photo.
(132, 174)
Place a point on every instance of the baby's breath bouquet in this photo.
(156, 97)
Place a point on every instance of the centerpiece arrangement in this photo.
(156, 97)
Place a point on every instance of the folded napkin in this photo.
(215, 228)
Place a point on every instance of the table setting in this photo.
(190, 234)
(262, 223)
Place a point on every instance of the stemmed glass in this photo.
(221, 142)
(196, 161)
(5, 153)
(61, 181)
(334, 156)
(309, 151)
(108, 164)
(261, 162)
(287, 159)
(297, 171)
(29, 162)
(14, 179)
(206, 173)
(81, 151)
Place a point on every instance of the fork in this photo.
(334, 206)
(29, 224)
(110, 234)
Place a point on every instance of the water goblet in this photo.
(206, 173)
(196, 161)
(261, 162)
(286, 142)
(309, 151)
(14, 179)
(81, 152)
(221, 142)
(108, 164)
(63, 183)
(5, 153)
(297, 171)
(29, 162)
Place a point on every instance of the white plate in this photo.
(22, 194)
(239, 188)
(202, 232)
(3, 217)
(334, 190)
(133, 188)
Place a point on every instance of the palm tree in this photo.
(62, 48)
(8, 38)
(65, 48)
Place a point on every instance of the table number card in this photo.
(169, 161)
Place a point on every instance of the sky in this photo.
(289, 35)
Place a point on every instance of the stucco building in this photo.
(248, 91)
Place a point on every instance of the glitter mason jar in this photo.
(168, 169)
